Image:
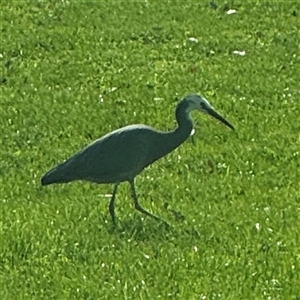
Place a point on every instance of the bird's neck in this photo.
(184, 128)
(184, 121)
(171, 140)
(183, 118)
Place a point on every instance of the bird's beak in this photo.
(214, 114)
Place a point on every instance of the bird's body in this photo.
(122, 154)
(132, 152)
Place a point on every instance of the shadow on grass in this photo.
(147, 229)
(140, 229)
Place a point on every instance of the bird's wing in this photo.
(116, 157)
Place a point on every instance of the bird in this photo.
(121, 155)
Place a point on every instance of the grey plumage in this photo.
(122, 154)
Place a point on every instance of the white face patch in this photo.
(192, 132)
(196, 102)
(204, 105)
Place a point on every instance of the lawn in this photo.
(73, 71)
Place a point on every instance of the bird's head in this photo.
(196, 102)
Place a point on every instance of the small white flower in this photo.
(194, 40)
(240, 53)
(231, 12)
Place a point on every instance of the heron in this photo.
(121, 155)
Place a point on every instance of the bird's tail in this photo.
(59, 174)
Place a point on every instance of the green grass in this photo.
(72, 72)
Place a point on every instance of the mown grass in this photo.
(72, 72)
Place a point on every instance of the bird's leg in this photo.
(112, 203)
(138, 206)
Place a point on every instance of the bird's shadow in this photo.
(140, 229)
